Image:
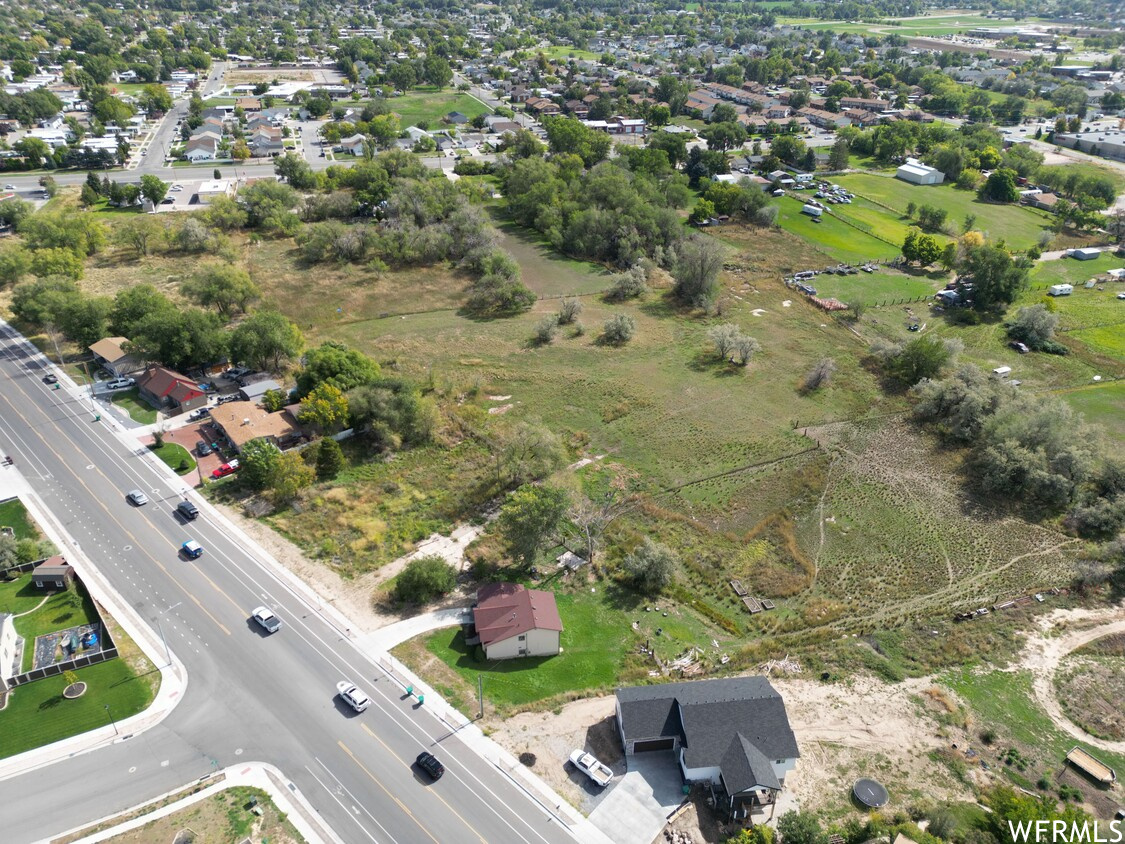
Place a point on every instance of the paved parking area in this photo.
(638, 805)
(188, 436)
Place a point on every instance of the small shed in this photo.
(1002, 372)
(255, 391)
(53, 573)
(1060, 289)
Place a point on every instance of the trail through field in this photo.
(1045, 651)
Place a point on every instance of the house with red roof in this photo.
(513, 621)
(169, 391)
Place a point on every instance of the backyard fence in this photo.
(8, 572)
(104, 655)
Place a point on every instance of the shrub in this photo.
(628, 285)
(651, 566)
(569, 311)
(819, 375)
(424, 579)
(619, 329)
(546, 329)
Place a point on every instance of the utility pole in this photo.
(480, 694)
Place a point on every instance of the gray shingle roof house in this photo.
(732, 733)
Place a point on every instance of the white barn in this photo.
(917, 173)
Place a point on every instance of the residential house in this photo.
(500, 127)
(865, 104)
(201, 149)
(109, 353)
(170, 391)
(541, 107)
(456, 118)
(519, 94)
(626, 126)
(702, 102)
(778, 112)
(824, 119)
(243, 421)
(53, 573)
(732, 734)
(510, 620)
(353, 144)
(266, 140)
(577, 108)
(212, 188)
(1042, 201)
(862, 119)
(248, 104)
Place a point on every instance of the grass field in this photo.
(835, 238)
(1073, 271)
(879, 286)
(176, 457)
(139, 410)
(1102, 404)
(558, 52)
(430, 106)
(1019, 227)
(60, 611)
(14, 515)
(935, 24)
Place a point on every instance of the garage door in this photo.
(655, 744)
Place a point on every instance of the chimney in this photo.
(246, 421)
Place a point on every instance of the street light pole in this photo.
(110, 716)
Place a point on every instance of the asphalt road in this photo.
(250, 697)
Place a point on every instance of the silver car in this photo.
(137, 498)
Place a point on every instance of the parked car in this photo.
(202, 449)
(188, 510)
(589, 764)
(120, 383)
(430, 764)
(192, 549)
(352, 695)
(1019, 347)
(1121, 295)
(168, 200)
(268, 621)
(226, 469)
(199, 414)
(137, 498)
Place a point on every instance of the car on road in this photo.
(177, 188)
(202, 449)
(226, 469)
(192, 549)
(430, 764)
(352, 695)
(9, 187)
(137, 498)
(50, 378)
(269, 622)
(188, 510)
(120, 383)
(168, 200)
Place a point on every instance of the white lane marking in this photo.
(366, 831)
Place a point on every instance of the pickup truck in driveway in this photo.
(588, 764)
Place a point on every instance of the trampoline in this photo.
(870, 793)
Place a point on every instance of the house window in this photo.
(522, 637)
(780, 762)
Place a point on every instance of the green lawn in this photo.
(1019, 227)
(14, 515)
(139, 410)
(37, 714)
(62, 610)
(1102, 404)
(878, 287)
(1004, 700)
(558, 52)
(936, 24)
(177, 458)
(1073, 271)
(835, 238)
(431, 106)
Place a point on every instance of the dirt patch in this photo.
(225, 816)
(1090, 690)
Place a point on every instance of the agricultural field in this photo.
(928, 25)
(1019, 227)
(430, 106)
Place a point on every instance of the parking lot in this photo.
(188, 436)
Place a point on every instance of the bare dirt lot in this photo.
(225, 816)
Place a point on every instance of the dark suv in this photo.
(188, 510)
(429, 763)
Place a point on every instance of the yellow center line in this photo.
(375, 780)
(433, 792)
(136, 542)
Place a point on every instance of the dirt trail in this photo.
(1045, 652)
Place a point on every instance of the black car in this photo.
(202, 449)
(429, 763)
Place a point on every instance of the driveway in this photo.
(638, 805)
(188, 436)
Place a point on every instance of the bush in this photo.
(424, 579)
(819, 375)
(651, 566)
(546, 329)
(619, 329)
(628, 285)
(569, 311)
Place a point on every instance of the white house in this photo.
(917, 173)
(512, 621)
(732, 733)
(214, 187)
(354, 144)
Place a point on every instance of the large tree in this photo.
(696, 270)
(530, 520)
(651, 566)
(226, 288)
(997, 278)
(266, 340)
(153, 188)
(337, 364)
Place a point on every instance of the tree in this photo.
(819, 375)
(569, 310)
(14, 264)
(259, 459)
(240, 150)
(529, 519)
(628, 285)
(1001, 186)
(224, 214)
(324, 409)
(155, 98)
(673, 145)
(224, 287)
(142, 233)
(113, 110)
(922, 357)
(725, 339)
(997, 278)
(329, 459)
(618, 329)
(840, 155)
(35, 150)
(526, 452)
(651, 566)
(436, 71)
(1034, 325)
(289, 477)
(800, 828)
(153, 188)
(566, 134)
(696, 271)
(392, 413)
(703, 211)
(337, 364)
(85, 320)
(266, 340)
(424, 579)
(402, 75)
(56, 261)
(293, 169)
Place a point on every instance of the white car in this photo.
(353, 696)
(177, 188)
(1121, 295)
(9, 187)
(137, 498)
(120, 383)
(269, 622)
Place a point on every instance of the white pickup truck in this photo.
(588, 764)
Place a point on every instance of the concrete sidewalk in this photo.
(388, 637)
